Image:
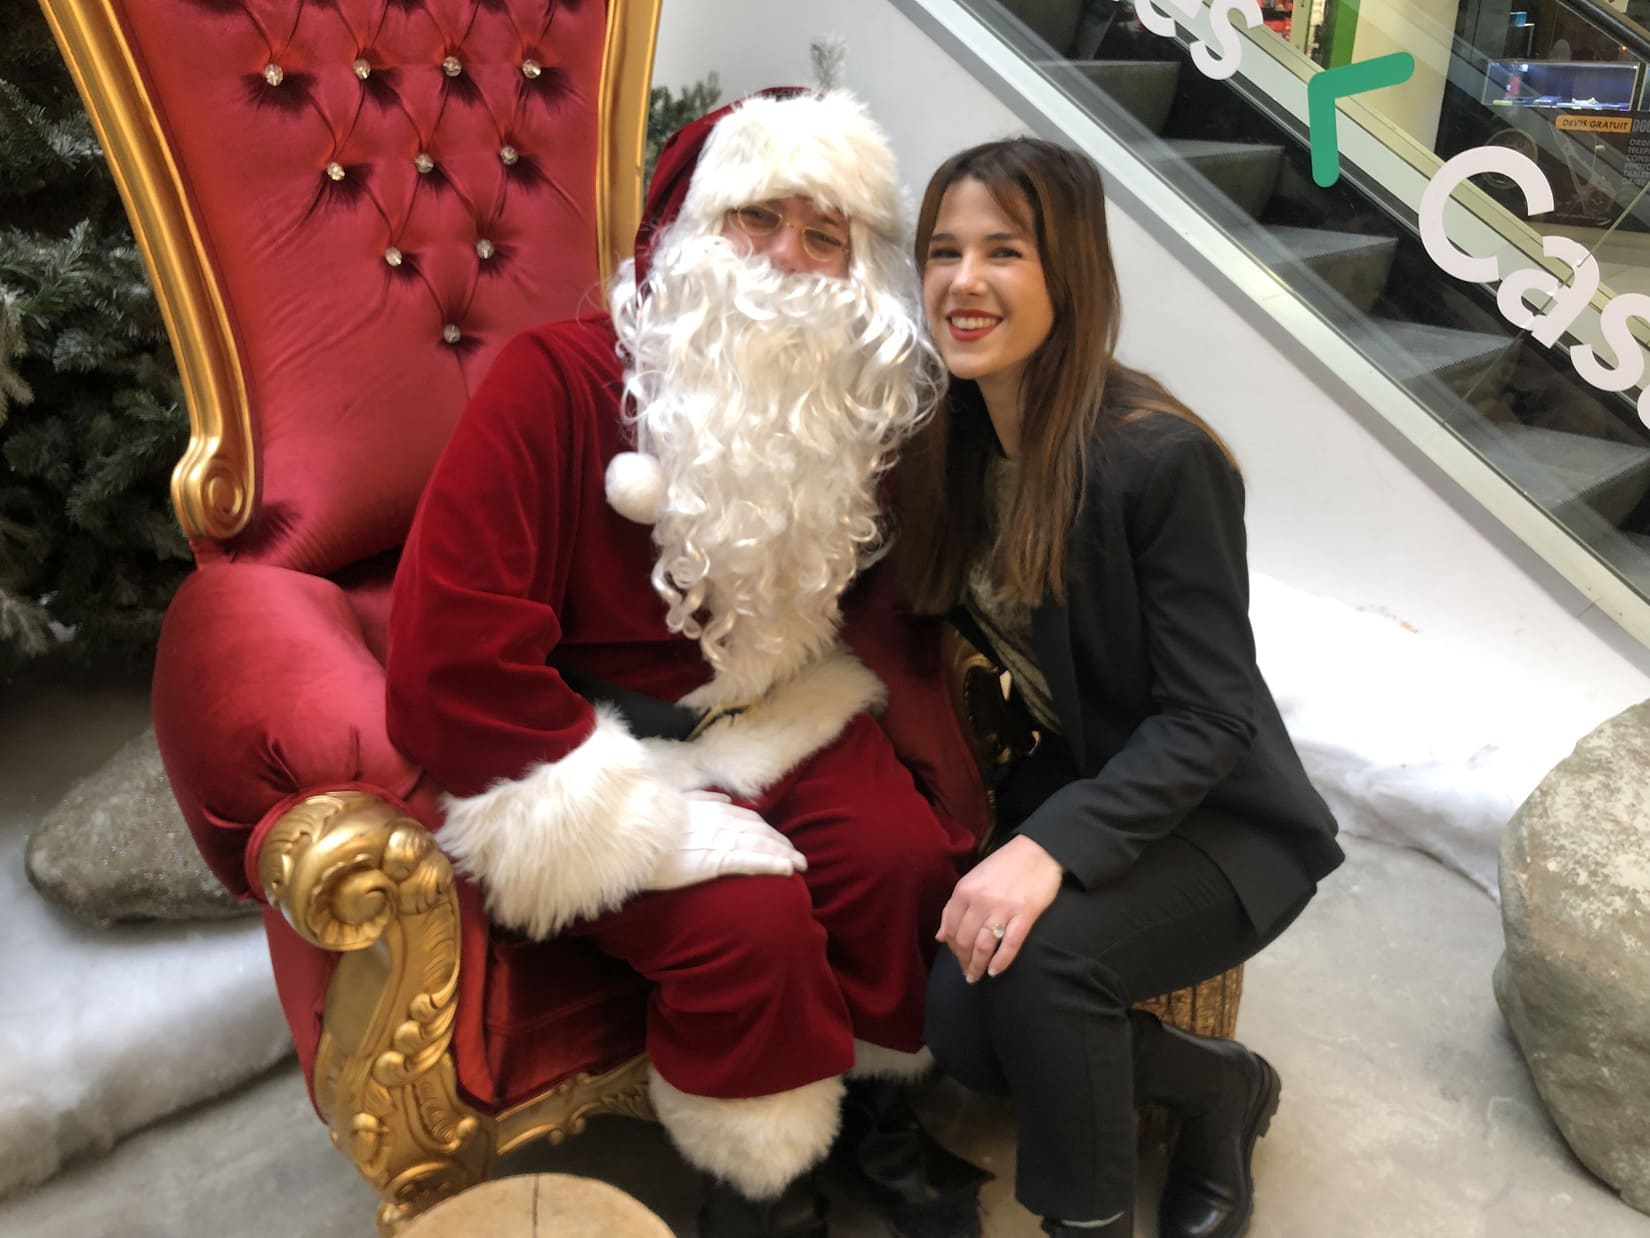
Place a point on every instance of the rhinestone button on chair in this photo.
(335, 171)
(451, 66)
(509, 155)
(392, 256)
(274, 74)
(423, 163)
(484, 249)
(363, 70)
(531, 69)
(451, 334)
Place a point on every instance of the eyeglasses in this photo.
(820, 244)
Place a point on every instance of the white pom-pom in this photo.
(636, 486)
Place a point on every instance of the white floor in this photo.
(1406, 1111)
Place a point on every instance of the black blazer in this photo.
(1151, 668)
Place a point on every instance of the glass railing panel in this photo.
(1412, 261)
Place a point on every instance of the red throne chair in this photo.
(347, 207)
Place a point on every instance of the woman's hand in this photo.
(1009, 889)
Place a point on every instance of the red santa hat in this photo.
(781, 141)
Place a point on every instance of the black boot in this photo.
(1210, 1191)
(798, 1212)
(925, 1190)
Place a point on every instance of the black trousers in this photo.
(1055, 1031)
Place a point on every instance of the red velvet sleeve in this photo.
(476, 601)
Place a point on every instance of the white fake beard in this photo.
(773, 403)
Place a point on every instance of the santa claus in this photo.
(615, 643)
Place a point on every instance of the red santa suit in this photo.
(518, 569)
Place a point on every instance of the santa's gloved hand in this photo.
(721, 839)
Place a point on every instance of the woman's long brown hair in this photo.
(1073, 387)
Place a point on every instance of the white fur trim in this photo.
(822, 146)
(570, 838)
(748, 753)
(636, 486)
(758, 1144)
(877, 1062)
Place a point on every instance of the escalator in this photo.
(1239, 148)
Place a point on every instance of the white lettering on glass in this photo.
(1618, 336)
(1566, 301)
(1225, 33)
(1520, 169)
(1156, 16)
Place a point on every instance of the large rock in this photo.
(1574, 982)
(116, 848)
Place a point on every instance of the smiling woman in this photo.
(984, 292)
(1085, 529)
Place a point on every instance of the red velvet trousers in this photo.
(762, 984)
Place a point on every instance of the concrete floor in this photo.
(1406, 1110)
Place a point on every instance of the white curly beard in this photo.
(773, 403)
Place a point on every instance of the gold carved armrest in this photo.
(354, 876)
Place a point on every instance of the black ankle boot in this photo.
(1210, 1191)
(923, 1189)
(798, 1212)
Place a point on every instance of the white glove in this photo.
(721, 839)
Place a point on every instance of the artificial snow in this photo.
(106, 1030)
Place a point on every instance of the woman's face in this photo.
(983, 289)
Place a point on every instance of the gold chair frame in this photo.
(354, 877)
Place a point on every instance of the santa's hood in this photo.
(781, 141)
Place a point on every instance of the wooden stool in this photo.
(538, 1206)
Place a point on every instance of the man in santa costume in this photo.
(615, 644)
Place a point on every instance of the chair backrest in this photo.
(347, 207)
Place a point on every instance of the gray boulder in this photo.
(116, 848)
(1574, 981)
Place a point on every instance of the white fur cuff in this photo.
(748, 753)
(570, 838)
(758, 1144)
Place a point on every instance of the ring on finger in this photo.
(997, 930)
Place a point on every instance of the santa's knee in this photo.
(761, 926)
(902, 872)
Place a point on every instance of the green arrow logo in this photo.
(1322, 89)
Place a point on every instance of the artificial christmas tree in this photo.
(668, 111)
(91, 416)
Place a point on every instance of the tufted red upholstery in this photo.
(300, 128)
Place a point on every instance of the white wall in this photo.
(1340, 505)
(1425, 29)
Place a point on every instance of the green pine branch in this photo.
(668, 111)
(24, 626)
(91, 411)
